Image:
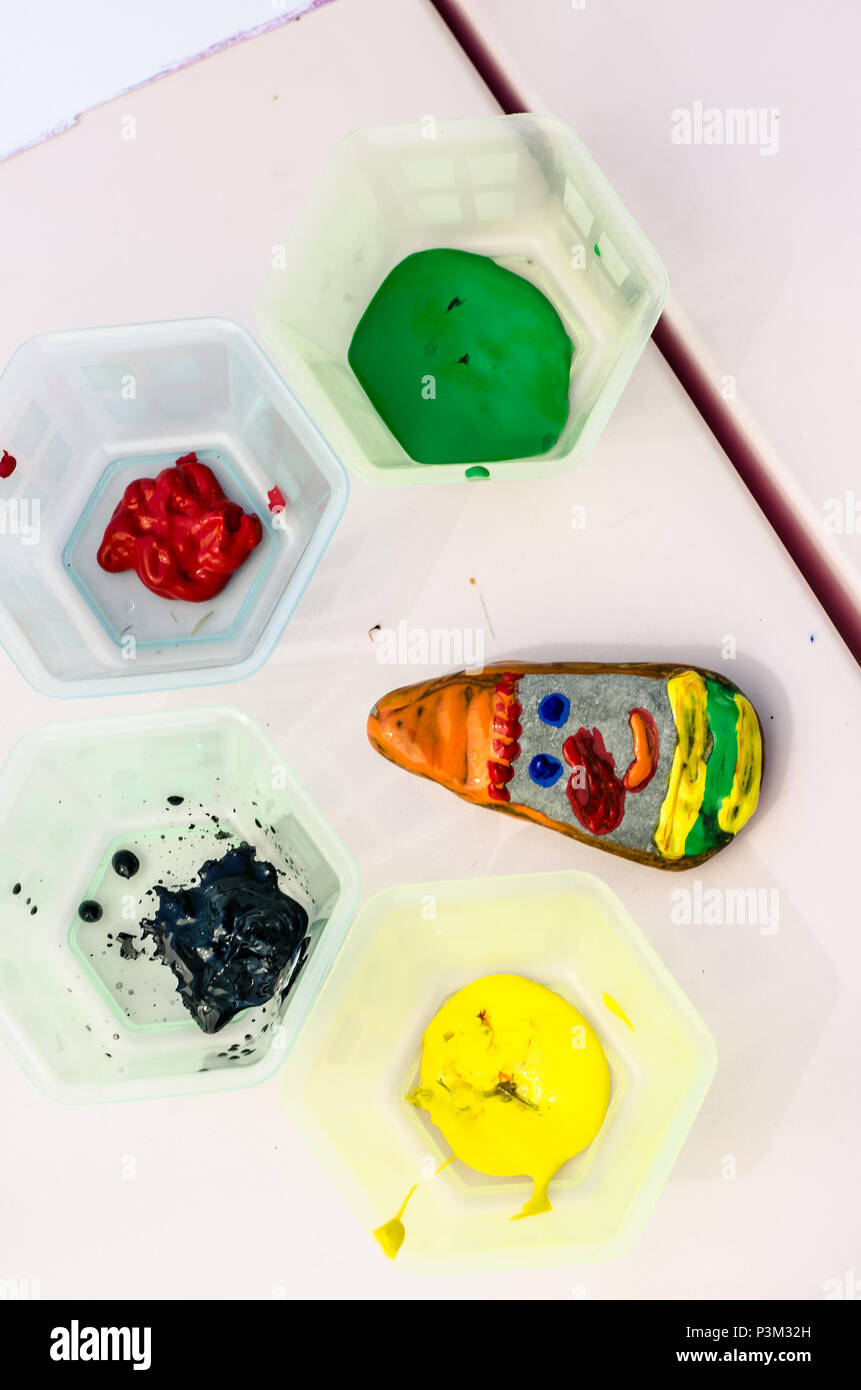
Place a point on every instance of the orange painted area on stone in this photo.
(444, 730)
(646, 754)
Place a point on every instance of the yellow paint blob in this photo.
(610, 1003)
(516, 1080)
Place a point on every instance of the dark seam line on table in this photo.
(787, 525)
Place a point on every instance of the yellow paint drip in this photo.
(687, 781)
(737, 808)
(515, 1078)
(610, 1003)
(392, 1233)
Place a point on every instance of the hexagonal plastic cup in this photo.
(410, 948)
(84, 414)
(88, 1013)
(521, 189)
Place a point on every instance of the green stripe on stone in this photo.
(722, 713)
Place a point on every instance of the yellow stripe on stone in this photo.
(737, 808)
(687, 781)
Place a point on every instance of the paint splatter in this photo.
(615, 1008)
(125, 863)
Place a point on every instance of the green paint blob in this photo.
(722, 713)
(465, 362)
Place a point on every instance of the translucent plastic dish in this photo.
(522, 189)
(409, 949)
(84, 414)
(88, 1016)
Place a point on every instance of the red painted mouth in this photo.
(595, 793)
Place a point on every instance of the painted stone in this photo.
(464, 360)
(660, 764)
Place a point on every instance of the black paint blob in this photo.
(90, 911)
(175, 800)
(232, 940)
(125, 863)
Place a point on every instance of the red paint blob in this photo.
(180, 533)
(276, 500)
(8, 464)
(598, 804)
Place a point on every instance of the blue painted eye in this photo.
(554, 709)
(544, 770)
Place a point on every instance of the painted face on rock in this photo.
(595, 792)
(659, 764)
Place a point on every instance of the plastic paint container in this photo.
(520, 189)
(85, 413)
(87, 1016)
(411, 948)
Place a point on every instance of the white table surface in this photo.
(59, 59)
(760, 247)
(181, 222)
